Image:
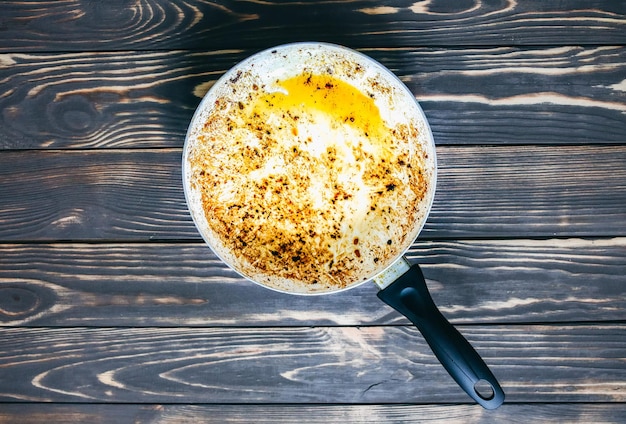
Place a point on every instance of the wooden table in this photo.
(113, 310)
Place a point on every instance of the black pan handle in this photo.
(409, 295)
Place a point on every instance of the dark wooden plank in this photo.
(146, 99)
(481, 281)
(483, 192)
(88, 114)
(94, 100)
(79, 26)
(311, 414)
(93, 195)
(569, 95)
(303, 365)
(559, 191)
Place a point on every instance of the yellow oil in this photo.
(332, 96)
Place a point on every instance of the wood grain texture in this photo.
(311, 414)
(471, 96)
(303, 365)
(95, 100)
(482, 192)
(169, 285)
(110, 191)
(81, 25)
(113, 310)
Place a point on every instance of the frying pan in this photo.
(402, 285)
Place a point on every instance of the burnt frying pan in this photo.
(310, 168)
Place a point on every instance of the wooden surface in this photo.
(113, 310)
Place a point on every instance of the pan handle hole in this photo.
(484, 389)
